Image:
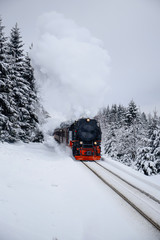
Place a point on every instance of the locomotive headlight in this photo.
(81, 142)
(95, 143)
(88, 119)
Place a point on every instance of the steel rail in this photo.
(130, 184)
(142, 213)
(145, 181)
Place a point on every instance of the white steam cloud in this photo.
(72, 67)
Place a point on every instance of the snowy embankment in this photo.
(46, 195)
(150, 184)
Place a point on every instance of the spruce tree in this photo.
(24, 90)
(121, 115)
(16, 86)
(131, 113)
(33, 107)
(4, 104)
(3, 39)
(148, 157)
(20, 117)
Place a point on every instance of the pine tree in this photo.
(148, 152)
(15, 84)
(3, 39)
(4, 104)
(110, 142)
(33, 106)
(21, 120)
(131, 113)
(24, 90)
(148, 156)
(121, 111)
(113, 113)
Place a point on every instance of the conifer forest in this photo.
(129, 135)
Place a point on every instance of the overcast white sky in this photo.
(129, 29)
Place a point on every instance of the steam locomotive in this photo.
(84, 138)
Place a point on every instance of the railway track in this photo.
(143, 202)
(132, 185)
(111, 164)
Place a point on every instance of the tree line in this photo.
(131, 137)
(19, 105)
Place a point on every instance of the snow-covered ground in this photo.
(149, 184)
(46, 195)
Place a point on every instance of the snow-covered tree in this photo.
(19, 102)
(4, 104)
(121, 111)
(110, 141)
(131, 113)
(33, 107)
(3, 39)
(148, 157)
(24, 92)
(131, 137)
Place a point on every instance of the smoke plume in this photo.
(72, 68)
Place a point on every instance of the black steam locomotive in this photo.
(83, 136)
